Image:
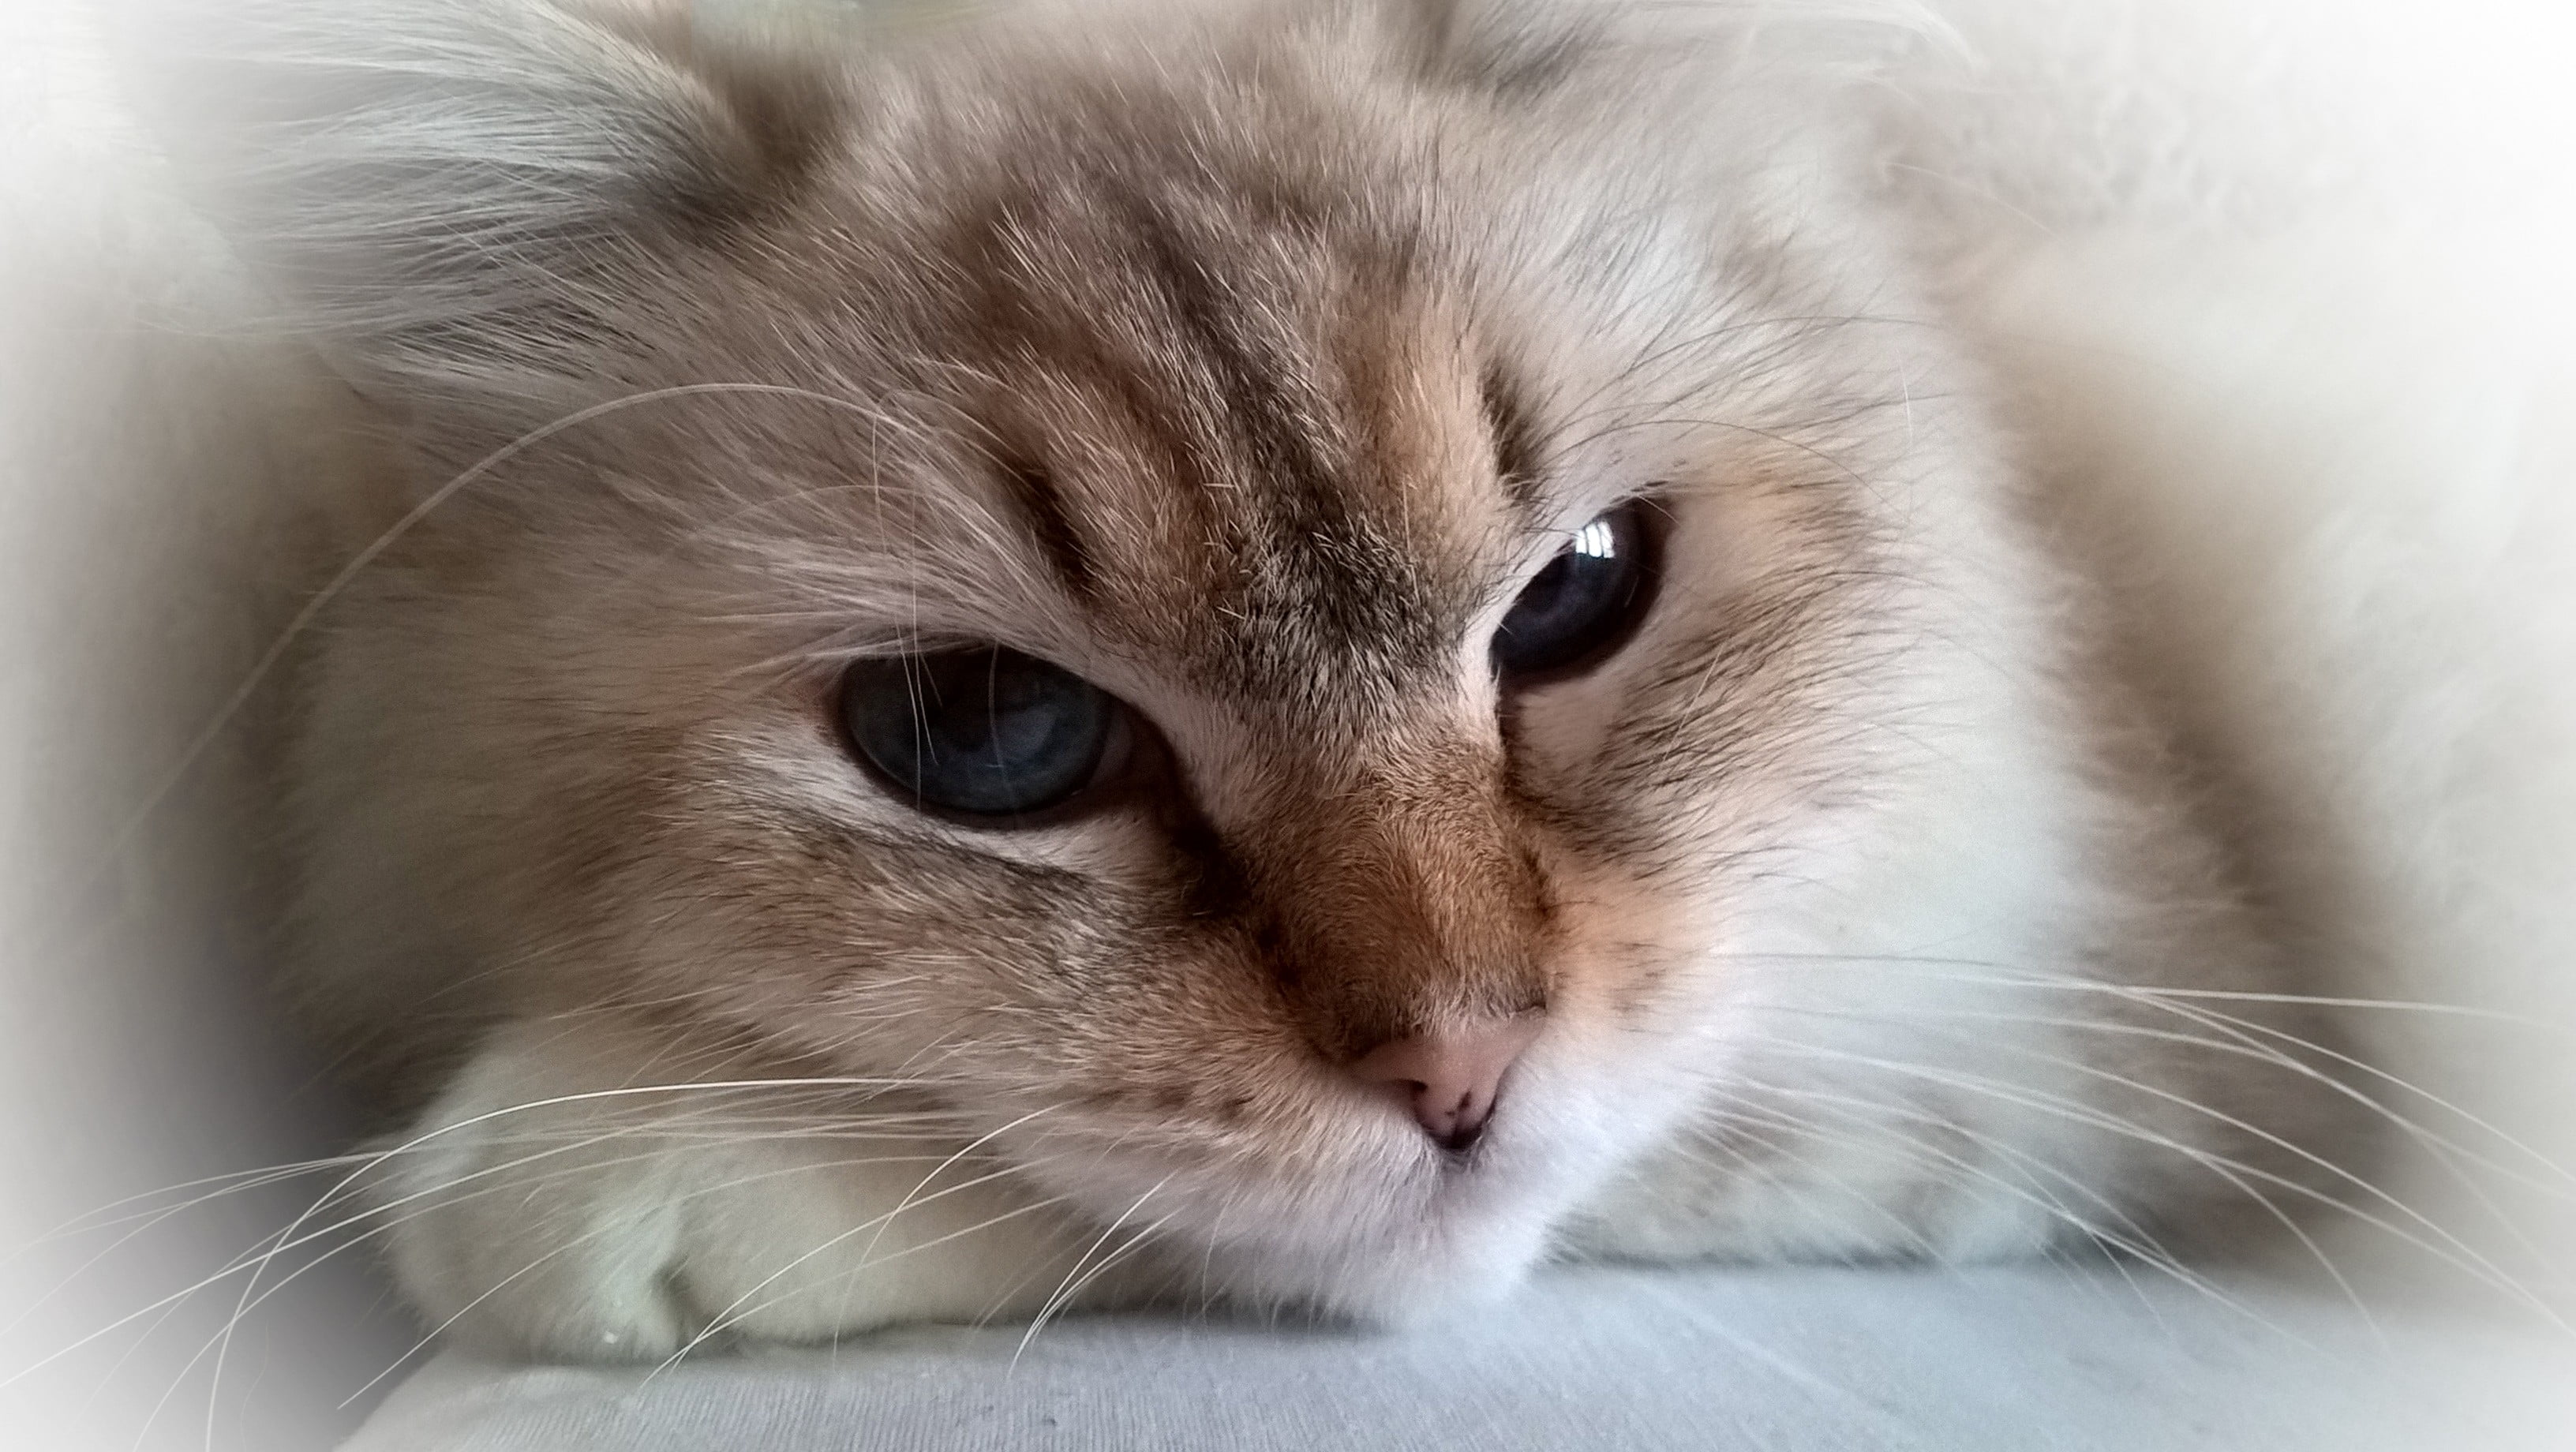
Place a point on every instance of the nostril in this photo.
(1449, 1078)
(1457, 1127)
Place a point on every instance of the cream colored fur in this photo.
(2325, 479)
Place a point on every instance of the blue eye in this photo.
(987, 732)
(1585, 603)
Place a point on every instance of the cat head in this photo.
(1261, 600)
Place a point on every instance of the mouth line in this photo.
(1460, 1156)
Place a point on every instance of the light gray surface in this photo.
(1765, 1361)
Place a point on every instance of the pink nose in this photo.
(1449, 1077)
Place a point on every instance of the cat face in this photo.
(1141, 592)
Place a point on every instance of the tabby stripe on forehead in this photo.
(1035, 491)
(1256, 377)
(1311, 544)
(1517, 456)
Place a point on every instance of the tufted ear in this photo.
(458, 192)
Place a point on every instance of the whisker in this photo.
(303, 619)
(2131, 1239)
(886, 1221)
(2234, 1171)
(1074, 1280)
(366, 1162)
(2192, 1009)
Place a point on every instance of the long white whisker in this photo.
(2235, 1172)
(881, 1224)
(1074, 1280)
(365, 558)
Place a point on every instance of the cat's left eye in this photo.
(1585, 603)
(983, 732)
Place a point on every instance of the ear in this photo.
(459, 192)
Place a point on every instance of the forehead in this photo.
(1237, 402)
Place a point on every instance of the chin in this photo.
(1444, 1237)
(1393, 1279)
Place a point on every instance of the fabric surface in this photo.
(1813, 1360)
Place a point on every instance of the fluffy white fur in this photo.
(2334, 470)
(2312, 401)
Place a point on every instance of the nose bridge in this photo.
(1407, 901)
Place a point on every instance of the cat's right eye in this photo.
(983, 732)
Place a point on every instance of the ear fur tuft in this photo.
(455, 191)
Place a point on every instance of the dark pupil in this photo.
(986, 731)
(1581, 603)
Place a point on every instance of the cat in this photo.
(1291, 655)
